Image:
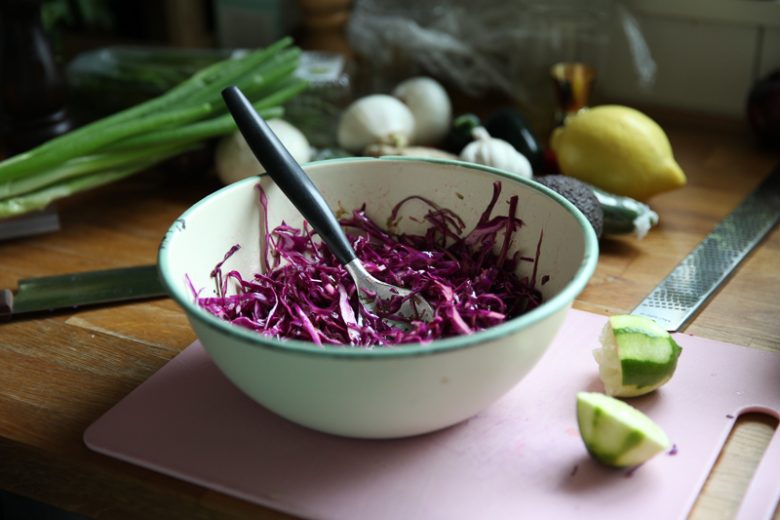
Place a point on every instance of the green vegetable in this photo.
(609, 214)
(148, 133)
(624, 215)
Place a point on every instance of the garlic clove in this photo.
(431, 107)
(496, 153)
(377, 118)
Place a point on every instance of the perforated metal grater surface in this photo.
(674, 301)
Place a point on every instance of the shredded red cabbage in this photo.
(305, 294)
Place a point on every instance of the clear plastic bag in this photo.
(492, 44)
(111, 78)
(108, 79)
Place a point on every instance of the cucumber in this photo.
(624, 215)
(609, 214)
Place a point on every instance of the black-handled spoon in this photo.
(287, 173)
(293, 181)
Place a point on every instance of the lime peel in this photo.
(636, 357)
(617, 434)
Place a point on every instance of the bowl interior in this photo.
(201, 237)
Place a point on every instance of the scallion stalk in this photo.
(268, 108)
(39, 199)
(150, 132)
(88, 164)
(40, 160)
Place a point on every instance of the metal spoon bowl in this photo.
(296, 185)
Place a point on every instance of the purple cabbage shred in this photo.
(305, 294)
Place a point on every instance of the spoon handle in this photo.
(287, 174)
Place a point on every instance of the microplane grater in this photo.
(677, 298)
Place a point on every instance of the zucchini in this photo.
(624, 215)
(609, 214)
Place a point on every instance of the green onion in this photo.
(39, 199)
(146, 134)
(161, 145)
(268, 108)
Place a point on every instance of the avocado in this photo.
(579, 194)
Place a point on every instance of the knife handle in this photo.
(6, 304)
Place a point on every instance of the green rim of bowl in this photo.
(551, 306)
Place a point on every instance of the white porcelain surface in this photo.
(380, 392)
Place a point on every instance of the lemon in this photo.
(636, 356)
(618, 149)
(617, 434)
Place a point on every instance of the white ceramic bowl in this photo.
(381, 392)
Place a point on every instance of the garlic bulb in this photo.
(430, 106)
(235, 160)
(497, 153)
(375, 119)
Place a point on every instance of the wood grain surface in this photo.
(61, 372)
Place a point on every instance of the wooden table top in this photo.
(60, 373)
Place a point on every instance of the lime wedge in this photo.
(636, 356)
(617, 434)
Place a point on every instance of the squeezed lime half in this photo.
(617, 434)
(636, 356)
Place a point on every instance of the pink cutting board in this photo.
(521, 457)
